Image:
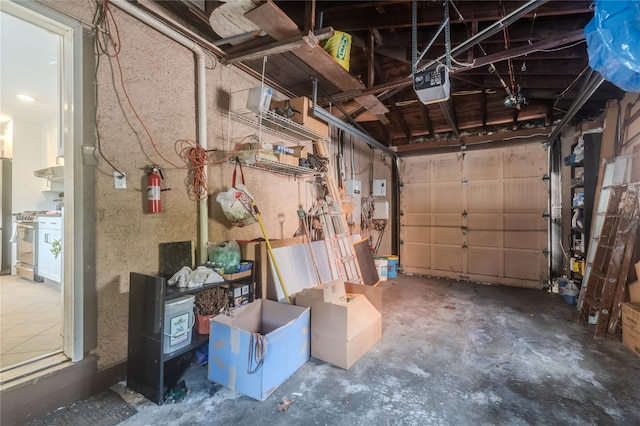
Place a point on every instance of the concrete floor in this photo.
(451, 353)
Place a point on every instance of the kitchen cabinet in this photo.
(150, 371)
(50, 247)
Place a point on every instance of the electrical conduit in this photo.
(203, 209)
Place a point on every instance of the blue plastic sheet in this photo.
(613, 42)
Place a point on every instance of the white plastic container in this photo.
(381, 266)
(178, 323)
(259, 99)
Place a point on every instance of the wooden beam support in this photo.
(371, 60)
(309, 16)
(396, 111)
(427, 119)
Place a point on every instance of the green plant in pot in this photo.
(207, 305)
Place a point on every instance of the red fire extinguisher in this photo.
(154, 177)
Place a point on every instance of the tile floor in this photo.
(30, 320)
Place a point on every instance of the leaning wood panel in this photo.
(365, 260)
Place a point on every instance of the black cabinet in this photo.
(584, 179)
(149, 370)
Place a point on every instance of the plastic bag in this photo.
(237, 203)
(237, 206)
(225, 256)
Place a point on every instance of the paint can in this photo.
(392, 266)
(381, 266)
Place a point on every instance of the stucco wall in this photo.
(159, 79)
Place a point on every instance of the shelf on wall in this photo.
(256, 160)
(277, 125)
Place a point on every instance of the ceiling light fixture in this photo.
(26, 98)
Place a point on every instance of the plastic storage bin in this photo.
(178, 323)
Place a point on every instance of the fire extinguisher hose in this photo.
(273, 258)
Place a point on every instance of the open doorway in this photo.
(31, 290)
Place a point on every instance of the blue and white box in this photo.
(258, 347)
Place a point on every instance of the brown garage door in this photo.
(477, 216)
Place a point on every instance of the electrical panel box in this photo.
(432, 85)
(379, 188)
(380, 210)
(353, 192)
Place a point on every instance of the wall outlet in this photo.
(119, 180)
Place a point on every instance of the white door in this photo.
(477, 216)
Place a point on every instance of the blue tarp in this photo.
(613, 42)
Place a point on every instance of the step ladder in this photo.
(616, 172)
(611, 258)
(341, 252)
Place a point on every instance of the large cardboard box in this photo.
(631, 326)
(342, 331)
(236, 342)
(634, 292)
(301, 108)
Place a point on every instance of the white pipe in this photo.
(203, 208)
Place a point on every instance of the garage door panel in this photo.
(448, 229)
(504, 197)
(421, 234)
(484, 261)
(482, 167)
(447, 197)
(447, 258)
(482, 230)
(446, 168)
(416, 219)
(526, 161)
(525, 232)
(416, 255)
(416, 197)
(484, 196)
(416, 170)
(524, 265)
(523, 195)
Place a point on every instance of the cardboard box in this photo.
(288, 159)
(631, 326)
(301, 151)
(283, 332)
(634, 292)
(343, 331)
(301, 107)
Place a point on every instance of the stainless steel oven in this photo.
(27, 246)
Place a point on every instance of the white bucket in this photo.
(381, 266)
(178, 323)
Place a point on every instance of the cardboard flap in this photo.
(274, 316)
(374, 294)
(247, 317)
(361, 314)
(334, 292)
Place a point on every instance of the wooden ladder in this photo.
(341, 252)
(612, 257)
